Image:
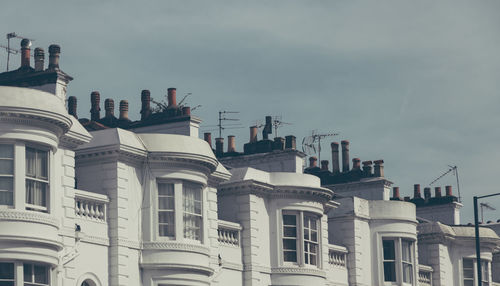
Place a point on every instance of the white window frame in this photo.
(398, 260)
(19, 273)
(485, 278)
(12, 176)
(178, 211)
(300, 241)
(20, 176)
(46, 181)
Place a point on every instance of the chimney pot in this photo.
(109, 107)
(54, 52)
(39, 59)
(367, 168)
(25, 52)
(186, 110)
(172, 97)
(324, 165)
(313, 162)
(231, 145)
(219, 147)
(146, 104)
(335, 157)
(253, 134)
(356, 163)
(208, 138)
(290, 142)
(437, 191)
(416, 191)
(449, 192)
(395, 193)
(95, 110)
(124, 110)
(345, 155)
(72, 106)
(268, 128)
(379, 168)
(427, 193)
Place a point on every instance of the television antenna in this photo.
(487, 206)
(277, 123)
(454, 170)
(222, 118)
(308, 143)
(12, 51)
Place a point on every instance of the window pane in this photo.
(469, 283)
(166, 190)
(406, 250)
(389, 253)
(389, 271)
(192, 226)
(290, 231)
(290, 256)
(6, 151)
(36, 193)
(43, 164)
(289, 244)
(6, 270)
(6, 191)
(314, 236)
(30, 162)
(407, 273)
(166, 203)
(6, 167)
(289, 220)
(28, 272)
(41, 274)
(468, 263)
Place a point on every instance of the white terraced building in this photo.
(111, 201)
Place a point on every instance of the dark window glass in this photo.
(389, 253)
(6, 270)
(389, 271)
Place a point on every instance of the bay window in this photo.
(29, 274)
(398, 260)
(469, 274)
(31, 166)
(180, 210)
(300, 238)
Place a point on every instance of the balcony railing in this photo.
(337, 255)
(424, 275)
(90, 206)
(229, 233)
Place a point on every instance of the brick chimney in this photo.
(313, 162)
(416, 191)
(172, 97)
(345, 155)
(427, 193)
(186, 110)
(367, 168)
(95, 110)
(54, 52)
(379, 168)
(437, 192)
(324, 165)
(25, 53)
(290, 142)
(356, 164)
(207, 136)
(72, 106)
(145, 104)
(449, 192)
(39, 59)
(253, 134)
(335, 157)
(124, 110)
(395, 194)
(231, 145)
(109, 107)
(219, 147)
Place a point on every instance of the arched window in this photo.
(88, 282)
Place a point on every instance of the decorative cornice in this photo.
(176, 246)
(20, 115)
(189, 267)
(28, 216)
(299, 270)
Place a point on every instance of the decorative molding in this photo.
(29, 216)
(189, 267)
(176, 246)
(28, 115)
(299, 270)
(95, 240)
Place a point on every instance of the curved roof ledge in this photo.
(31, 104)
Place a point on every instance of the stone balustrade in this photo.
(90, 206)
(229, 233)
(424, 275)
(337, 255)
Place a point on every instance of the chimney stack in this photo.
(95, 110)
(395, 193)
(416, 191)
(219, 147)
(186, 110)
(109, 107)
(268, 128)
(324, 165)
(124, 110)
(72, 106)
(231, 145)
(25, 53)
(427, 193)
(290, 142)
(313, 162)
(146, 104)
(335, 157)
(207, 136)
(449, 193)
(253, 134)
(345, 155)
(356, 164)
(54, 52)
(367, 168)
(39, 59)
(379, 168)
(172, 97)
(437, 192)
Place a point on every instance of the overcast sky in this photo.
(415, 83)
